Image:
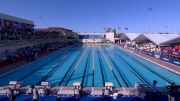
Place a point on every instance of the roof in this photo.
(171, 36)
(92, 33)
(16, 19)
(172, 41)
(60, 28)
(53, 29)
(156, 38)
(128, 36)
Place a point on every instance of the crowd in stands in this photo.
(8, 34)
(35, 43)
(144, 47)
(11, 34)
(173, 50)
(170, 53)
(150, 47)
(29, 53)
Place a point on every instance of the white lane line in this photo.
(106, 59)
(61, 88)
(124, 90)
(64, 57)
(93, 59)
(79, 60)
(152, 61)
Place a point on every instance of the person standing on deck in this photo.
(154, 91)
(35, 94)
(154, 87)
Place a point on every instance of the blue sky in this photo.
(94, 15)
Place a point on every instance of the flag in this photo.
(126, 28)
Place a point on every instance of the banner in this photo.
(164, 58)
(176, 62)
(157, 56)
(148, 53)
(170, 60)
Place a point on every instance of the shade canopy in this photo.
(155, 38)
(172, 41)
(128, 36)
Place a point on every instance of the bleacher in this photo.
(161, 46)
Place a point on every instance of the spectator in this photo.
(9, 93)
(154, 87)
(172, 92)
(35, 94)
(30, 90)
(154, 91)
(42, 91)
(58, 98)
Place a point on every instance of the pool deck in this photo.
(94, 91)
(166, 65)
(99, 90)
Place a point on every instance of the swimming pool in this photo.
(92, 65)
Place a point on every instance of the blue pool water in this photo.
(91, 65)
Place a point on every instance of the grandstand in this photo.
(13, 28)
(154, 45)
(57, 66)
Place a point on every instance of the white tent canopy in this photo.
(155, 38)
(128, 36)
(172, 41)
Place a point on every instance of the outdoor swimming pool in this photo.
(92, 65)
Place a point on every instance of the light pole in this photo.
(150, 18)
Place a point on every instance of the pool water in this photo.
(92, 65)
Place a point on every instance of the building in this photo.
(15, 24)
(67, 36)
(110, 36)
(96, 37)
